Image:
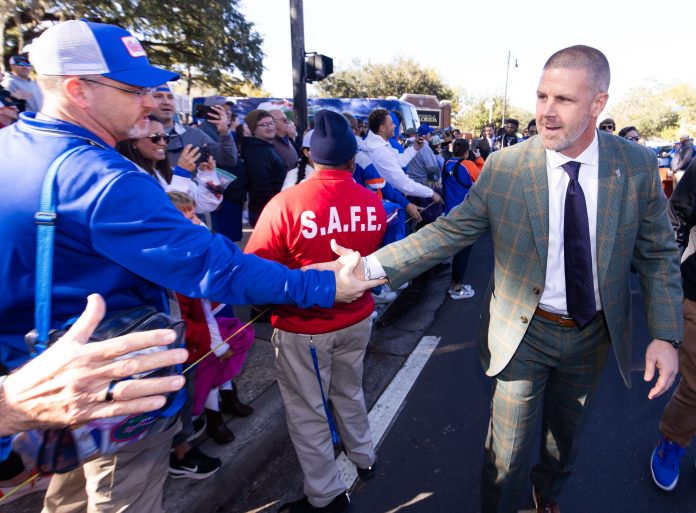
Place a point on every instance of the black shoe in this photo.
(199, 426)
(340, 504)
(230, 403)
(217, 429)
(367, 473)
(195, 465)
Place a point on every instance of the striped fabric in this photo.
(511, 200)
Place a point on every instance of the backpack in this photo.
(454, 186)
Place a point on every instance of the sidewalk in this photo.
(258, 435)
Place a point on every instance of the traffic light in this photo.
(318, 67)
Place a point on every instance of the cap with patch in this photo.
(214, 100)
(19, 60)
(85, 48)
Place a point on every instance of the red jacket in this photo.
(295, 229)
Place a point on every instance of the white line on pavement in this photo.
(387, 407)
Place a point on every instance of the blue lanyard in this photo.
(329, 418)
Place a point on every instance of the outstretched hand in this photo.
(67, 384)
(662, 356)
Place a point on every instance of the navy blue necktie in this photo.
(579, 284)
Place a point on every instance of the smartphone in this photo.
(201, 111)
(203, 155)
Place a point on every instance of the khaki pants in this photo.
(129, 480)
(678, 422)
(340, 355)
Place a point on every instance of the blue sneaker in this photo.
(664, 463)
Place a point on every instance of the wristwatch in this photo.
(676, 344)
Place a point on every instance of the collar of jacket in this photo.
(33, 122)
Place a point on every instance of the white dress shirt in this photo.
(553, 298)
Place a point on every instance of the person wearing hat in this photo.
(264, 168)
(223, 148)
(116, 234)
(423, 167)
(296, 228)
(389, 163)
(8, 111)
(20, 85)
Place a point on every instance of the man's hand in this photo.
(189, 156)
(67, 384)
(663, 356)
(418, 143)
(437, 198)
(413, 212)
(221, 122)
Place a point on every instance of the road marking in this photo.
(389, 404)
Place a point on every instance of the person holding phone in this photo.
(150, 154)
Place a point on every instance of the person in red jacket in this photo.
(320, 350)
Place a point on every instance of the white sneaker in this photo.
(39, 484)
(384, 296)
(464, 292)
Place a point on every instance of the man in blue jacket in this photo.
(116, 234)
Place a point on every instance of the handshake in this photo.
(349, 272)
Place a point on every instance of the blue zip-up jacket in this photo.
(117, 234)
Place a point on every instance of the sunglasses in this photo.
(266, 125)
(633, 138)
(156, 138)
(606, 127)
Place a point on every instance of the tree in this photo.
(474, 115)
(208, 43)
(660, 112)
(380, 80)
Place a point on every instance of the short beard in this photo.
(570, 138)
(139, 130)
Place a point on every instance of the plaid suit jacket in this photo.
(510, 199)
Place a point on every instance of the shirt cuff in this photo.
(373, 269)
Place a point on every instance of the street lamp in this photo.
(507, 76)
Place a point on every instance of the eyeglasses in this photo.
(633, 138)
(266, 125)
(156, 138)
(138, 93)
(606, 127)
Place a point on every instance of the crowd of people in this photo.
(146, 210)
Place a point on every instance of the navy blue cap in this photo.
(333, 142)
(19, 60)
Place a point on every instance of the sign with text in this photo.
(429, 117)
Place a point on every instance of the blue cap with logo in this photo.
(79, 47)
(19, 60)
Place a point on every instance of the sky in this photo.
(468, 42)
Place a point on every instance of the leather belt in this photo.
(562, 320)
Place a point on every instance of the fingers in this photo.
(664, 382)
(105, 410)
(119, 346)
(88, 321)
(140, 388)
(142, 363)
(649, 368)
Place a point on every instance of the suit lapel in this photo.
(612, 180)
(536, 190)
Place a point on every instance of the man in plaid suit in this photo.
(544, 360)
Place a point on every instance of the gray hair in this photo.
(584, 57)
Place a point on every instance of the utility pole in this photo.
(299, 72)
(507, 75)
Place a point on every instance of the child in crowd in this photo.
(223, 350)
(457, 179)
